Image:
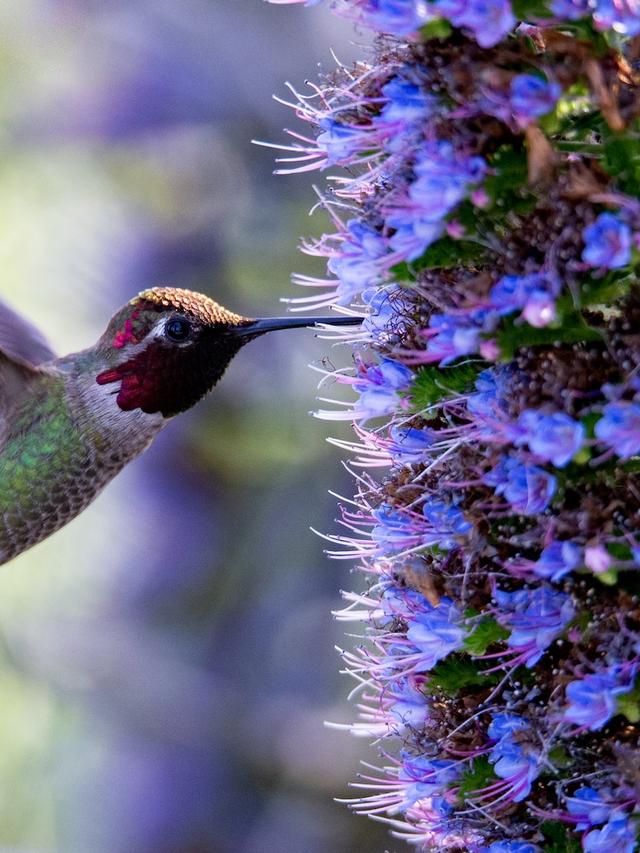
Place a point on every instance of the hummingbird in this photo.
(68, 425)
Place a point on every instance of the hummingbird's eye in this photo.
(177, 330)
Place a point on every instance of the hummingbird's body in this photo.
(69, 425)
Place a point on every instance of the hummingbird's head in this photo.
(167, 347)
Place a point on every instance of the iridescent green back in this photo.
(55, 458)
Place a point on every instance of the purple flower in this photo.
(527, 488)
(443, 179)
(448, 523)
(510, 847)
(607, 242)
(597, 558)
(395, 530)
(379, 386)
(532, 96)
(488, 20)
(399, 17)
(557, 559)
(490, 404)
(413, 235)
(386, 305)
(513, 757)
(409, 444)
(587, 808)
(406, 103)
(618, 835)
(409, 706)
(425, 777)
(593, 699)
(436, 632)
(556, 438)
(623, 16)
(535, 617)
(341, 141)
(357, 263)
(620, 428)
(571, 10)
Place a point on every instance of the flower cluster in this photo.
(487, 158)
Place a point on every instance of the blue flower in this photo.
(587, 807)
(532, 96)
(622, 16)
(616, 836)
(436, 632)
(426, 777)
(395, 530)
(399, 17)
(527, 488)
(448, 523)
(406, 103)
(620, 428)
(490, 402)
(531, 294)
(488, 20)
(556, 438)
(557, 559)
(593, 699)
(571, 10)
(409, 707)
(535, 617)
(340, 141)
(510, 847)
(357, 265)
(413, 234)
(379, 387)
(409, 444)
(443, 179)
(513, 757)
(607, 242)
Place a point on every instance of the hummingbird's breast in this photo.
(63, 442)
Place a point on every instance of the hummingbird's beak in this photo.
(253, 328)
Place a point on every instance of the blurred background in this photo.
(167, 661)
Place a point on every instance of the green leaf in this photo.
(528, 10)
(456, 672)
(477, 776)
(559, 839)
(436, 29)
(445, 253)
(629, 704)
(432, 383)
(509, 168)
(606, 290)
(513, 336)
(559, 757)
(622, 160)
(487, 632)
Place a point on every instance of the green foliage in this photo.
(513, 335)
(559, 838)
(445, 253)
(432, 384)
(477, 776)
(622, 160)
(487, 632)
(456, 672)
(629, 704)
(436, 29)
(528, 10)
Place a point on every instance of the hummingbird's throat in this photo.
(168, 379)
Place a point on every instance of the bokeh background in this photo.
(166, 661)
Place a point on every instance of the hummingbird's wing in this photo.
(20, 341)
